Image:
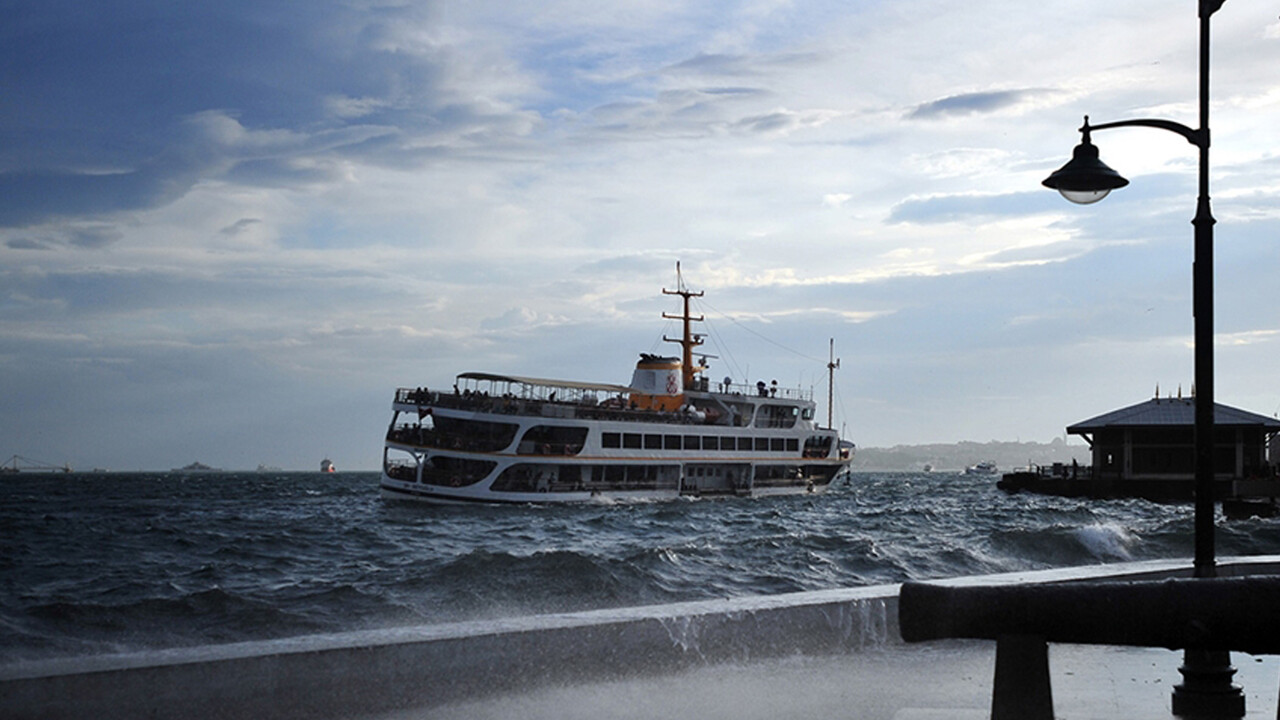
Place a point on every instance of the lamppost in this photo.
(1207, 688)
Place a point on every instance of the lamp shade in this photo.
(1085, 179)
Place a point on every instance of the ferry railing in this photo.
(431, 438)
(576, 398)
(768, 391)
(521, 406)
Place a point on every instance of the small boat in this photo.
(327, 466)
(670, 433)
(196, 467)
(982, 468)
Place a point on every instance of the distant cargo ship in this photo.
(327, 466)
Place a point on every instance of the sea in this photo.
(98, 563)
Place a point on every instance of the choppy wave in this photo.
(101, 563)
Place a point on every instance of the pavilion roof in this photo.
(1170, 412)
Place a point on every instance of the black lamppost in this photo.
(1207, 689)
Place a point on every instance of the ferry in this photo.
(670, 433)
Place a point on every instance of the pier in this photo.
(20, 464)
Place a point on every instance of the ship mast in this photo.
(833, 363)
(689, 340)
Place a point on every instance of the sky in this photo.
(229, 231)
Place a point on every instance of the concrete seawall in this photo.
(364, 673)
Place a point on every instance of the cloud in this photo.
(120, 108)
(309, 204)
(240, 226)
(520, 319)
(31, 197)
(84, 237)
(970, 206)
(93, 238)
(741, 65)
(26, 243)
(973, 104)
(783, 121)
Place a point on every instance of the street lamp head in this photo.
(1085, 179)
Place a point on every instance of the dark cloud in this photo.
(93, 238)
(715, 64)
(970, 104)
(771, 122)
(123, 105)
(29, 197)
(239, 226)
(27, 243)
(88, 238)
(740, 65)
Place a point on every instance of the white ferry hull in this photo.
(398, 491)
(392, 490)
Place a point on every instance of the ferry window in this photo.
(744, 443)
(711, 442)
(762, 444)
(808, 413)
(611, 440)
(793, 445)
(777, 444)
(631, 440)
(671, 442)
(692, 442)
(615, 474)
(652, 442)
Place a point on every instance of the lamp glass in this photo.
(1084, 197)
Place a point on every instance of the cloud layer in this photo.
(227, 233)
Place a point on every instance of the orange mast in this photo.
(689, 341)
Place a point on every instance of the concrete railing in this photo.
(1208, 617)
(364, 673)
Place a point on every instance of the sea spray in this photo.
(1108, 542)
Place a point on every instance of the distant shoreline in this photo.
(955, 457)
